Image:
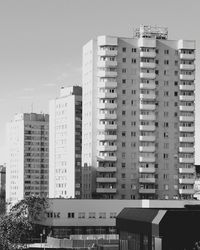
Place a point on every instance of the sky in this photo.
(41, 45)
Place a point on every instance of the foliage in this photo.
(17, 226)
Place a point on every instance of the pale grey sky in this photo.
(41, 45)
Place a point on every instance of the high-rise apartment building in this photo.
(65, 143)
(138, 115)
(27, 168)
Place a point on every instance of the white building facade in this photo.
(27, 168)
(138, 115)
(65, 143)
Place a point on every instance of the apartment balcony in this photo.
(107, 137)
(148, 54)
(147, 190)
(107, 84)
(187, 170)
(188, 98)
(107, 148)
(187, 77)
(147, 85)
(146, 42)
(147, 180)
(186, 191)
(187, 87)
(186, 149)
(106, 158)
(148, 96)
(106, 190)
(186, 129)
(186, 108)
(107, 52)
(105, 73)
(147, 138)
(147, 75)
(148, 170)
(107, 95)
(107, 41)
(106, 179)
(183, 44)
(187, 56)
(150, 117)
(147, 106)
(107, 126)
(147, 127)
(187, 66)
(147, 159)
(147, 148)
(107, 169)
(104, 105)
(186, 118)
(147, 65)
(186, 139)
(107, 116)
(186, 160)
(108, 63)
(186, 180)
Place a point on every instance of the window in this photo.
(123, 175)
(175, 72)
(123, 60)
(123, 123)
(175, 83)
(123, 133)
(166, 187)
(166, 51)
(113, 215)
(157, 51)
(123, 49)
(166, 83)
(166, 104)
(165, 156)
(134, 50)
(123, 81)
(123, 91)
(123, 70)
(123, 112)
(157, 72)
(166, 124)
(166, 93)
(123, 186)
(176, 63)
(133, 60)
(157, 61)
(92, 215)
(123, 144)
(165, 135)
(176, 93)
(166, 62)
(123, 102)
(102, 215)
(70, 215)
(81, 215)
(123, 165)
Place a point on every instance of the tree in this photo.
(17, 226)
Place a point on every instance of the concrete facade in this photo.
(27, 167)
(138, 115)
(65, 143)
